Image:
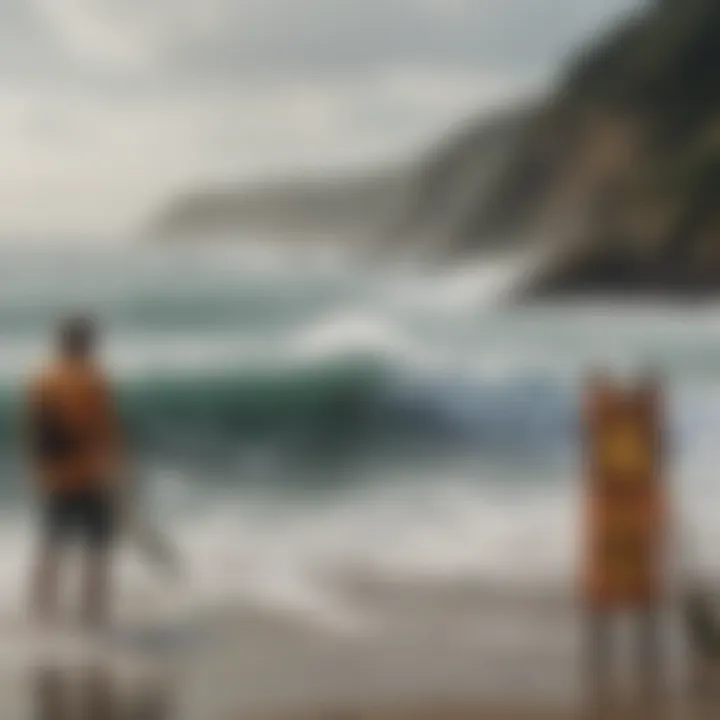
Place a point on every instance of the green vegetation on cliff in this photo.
(631, 139)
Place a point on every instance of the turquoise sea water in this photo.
(297, 416)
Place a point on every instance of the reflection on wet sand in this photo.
(94, 693)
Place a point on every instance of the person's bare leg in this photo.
(50, 697)
(97, 588)
(650, 659)
(597, 663)
(99, 695)
(44, 600)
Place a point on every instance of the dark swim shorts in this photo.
(88, 515)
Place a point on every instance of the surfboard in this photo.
(152, 544)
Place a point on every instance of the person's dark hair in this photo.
(77, 336)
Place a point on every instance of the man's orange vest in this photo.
(75, 398)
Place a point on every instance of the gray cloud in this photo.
(240, 38)
(107, 105)
(340, 36)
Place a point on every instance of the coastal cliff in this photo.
(622, 166)
(615, 175)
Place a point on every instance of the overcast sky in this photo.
(109, 106)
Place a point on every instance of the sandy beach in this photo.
(413, 653)
(450, 712)
(447, 712)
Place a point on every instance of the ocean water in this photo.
(299, 420)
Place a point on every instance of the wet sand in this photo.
(692, 709)
(437, 713)
(404, 653)
(485, 712)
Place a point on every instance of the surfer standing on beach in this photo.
(75, 446)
